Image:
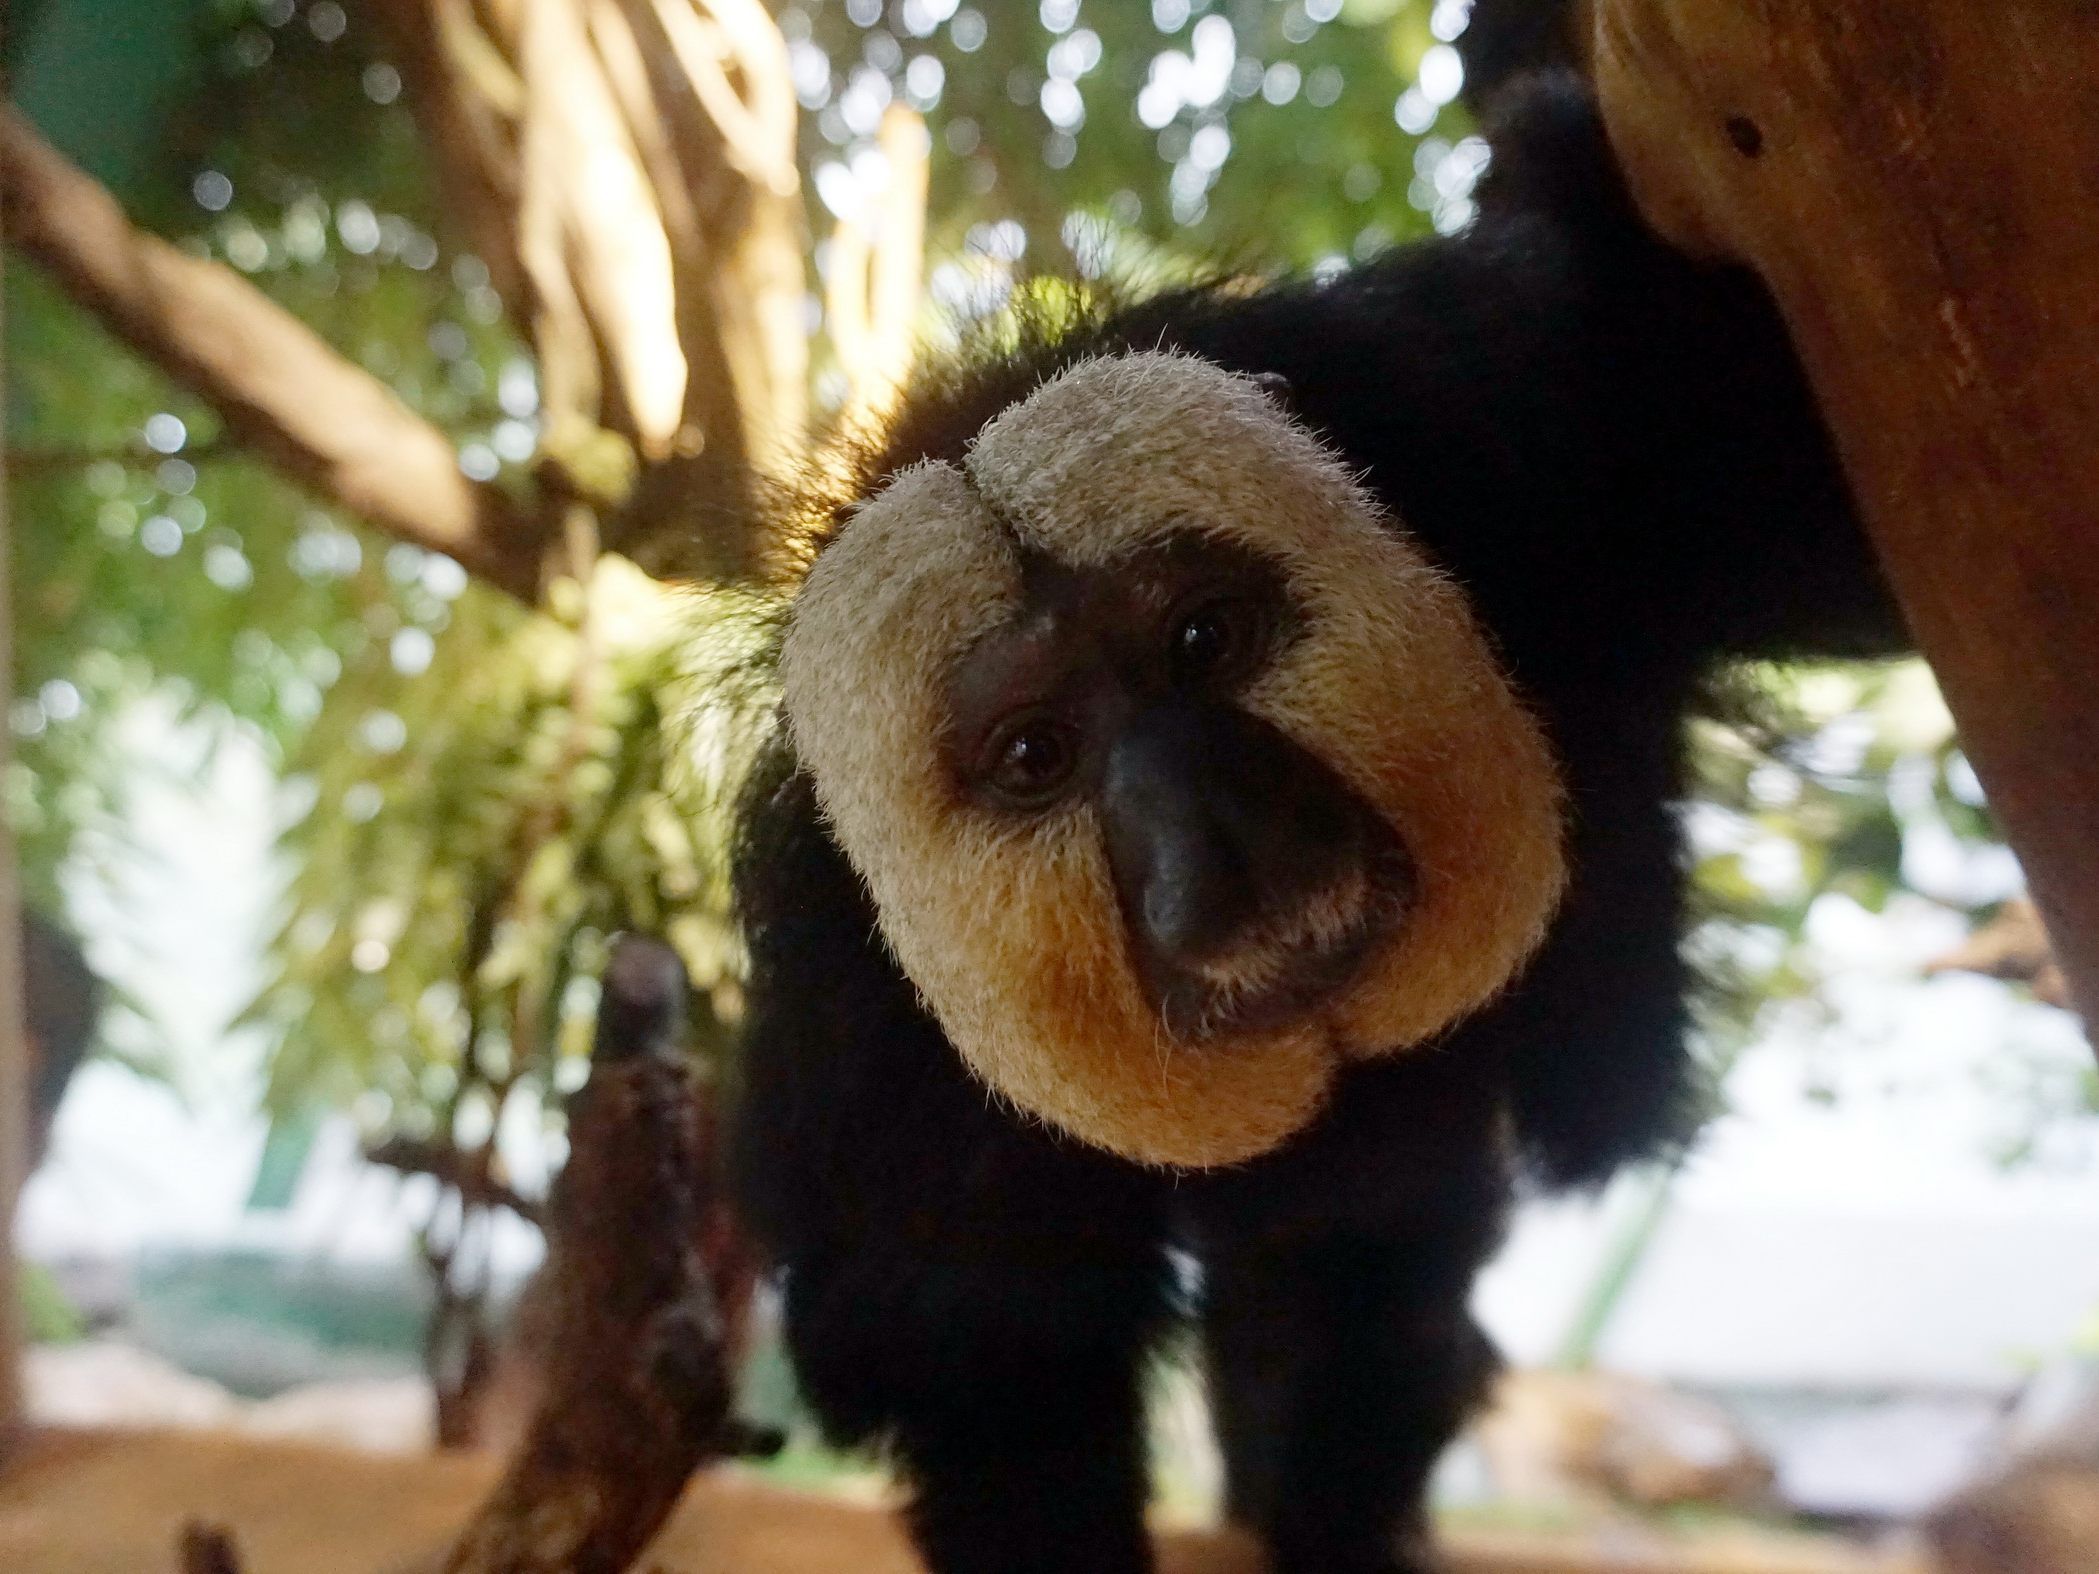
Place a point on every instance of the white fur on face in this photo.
(1010, 928)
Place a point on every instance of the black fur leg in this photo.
(1336, 1274)
(1339, 1371)
(1047, 1486)
(1007, 1392)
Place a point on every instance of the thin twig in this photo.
(449, 1167)
(43, 459)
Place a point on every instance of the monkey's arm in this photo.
(1591, 430)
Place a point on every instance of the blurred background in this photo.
(325, 812)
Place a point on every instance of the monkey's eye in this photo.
(1028, 762)
(1217, 643)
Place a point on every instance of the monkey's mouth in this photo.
(1289, 967)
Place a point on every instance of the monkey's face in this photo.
(1178, 777)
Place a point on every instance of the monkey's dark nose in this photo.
(1214, 821)
(1177, 867)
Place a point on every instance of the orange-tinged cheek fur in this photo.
(1415, 716)
(1019, 944)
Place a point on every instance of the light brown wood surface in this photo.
(113, 1503)
(1918, 183)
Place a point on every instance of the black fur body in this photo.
(1613, 452)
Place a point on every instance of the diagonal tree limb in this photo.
(279, 387)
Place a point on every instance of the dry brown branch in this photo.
(606, 237)
(741, 172)
(628, 168)
(643, 77)
(447, 1166)
(638, 1394)
(674, 126)
(278, 386)
(1913, 180)
(626, 67)
(2013, 945)
(718, 42)
(684, 157)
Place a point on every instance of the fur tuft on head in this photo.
(1010, 927)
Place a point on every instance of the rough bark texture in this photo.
(279, 386)
(1916, 180)
(638, 1397)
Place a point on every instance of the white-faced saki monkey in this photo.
(1219, 839)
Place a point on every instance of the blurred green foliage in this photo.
(149, 556)
(490, 824)
(1813, 790)
(1258, 132)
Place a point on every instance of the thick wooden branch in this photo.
(638, 1394)
(278, 386)
(601, 233)
(1916, 180)
(628, 169)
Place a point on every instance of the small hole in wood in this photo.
(1746, 135)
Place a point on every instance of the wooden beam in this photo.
(1917, 181)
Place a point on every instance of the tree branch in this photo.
(745, 339)
(279, 387)
(602, 233)
(449, 1167)
(638, 1392)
